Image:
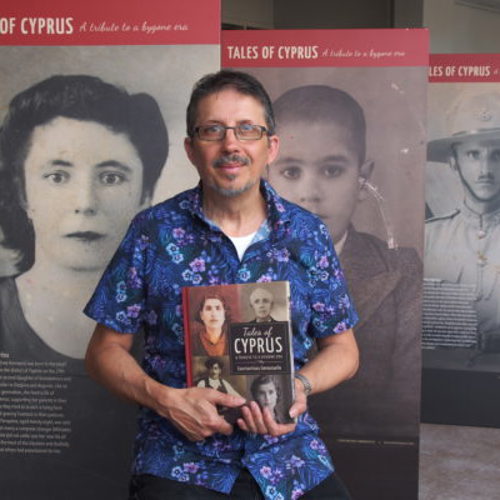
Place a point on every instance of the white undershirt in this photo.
(241, 243)
(340, 244)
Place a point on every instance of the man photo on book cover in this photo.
(324, 167)
(462, 247)
(261, 301)
(214, 377)
(184, 448)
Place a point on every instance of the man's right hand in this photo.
(194, 410)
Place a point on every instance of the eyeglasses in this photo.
(243, 132)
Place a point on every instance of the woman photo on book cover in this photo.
(266, 390)
(214, 316)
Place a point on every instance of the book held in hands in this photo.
(238, 341)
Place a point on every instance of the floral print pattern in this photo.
(173, 245)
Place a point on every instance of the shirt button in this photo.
(481, 234)
(482, 260)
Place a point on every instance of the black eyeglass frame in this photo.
(263, 131)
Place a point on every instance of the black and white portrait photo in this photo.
(89, 137)
(352, 151)
(271, 392)
(265, 302)
(344, 161)
(461, 328)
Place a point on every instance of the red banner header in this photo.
(110, 22)
(325, 48)
(464, 68)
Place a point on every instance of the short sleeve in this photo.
(332, 307)
(119, 300)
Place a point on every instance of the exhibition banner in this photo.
(92, 104)
(461, 312)
(350, 110)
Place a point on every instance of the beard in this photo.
(232, 192)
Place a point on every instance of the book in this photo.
(238, 340)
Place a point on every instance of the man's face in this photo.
(230, 167)
(319, 169)
(267, 396)
(262, 302)
(212, 314)
(83, 186)
(478, 164)
(214, 371)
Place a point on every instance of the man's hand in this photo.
(194, 411)
(262, 422)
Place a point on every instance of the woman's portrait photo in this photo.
(210, 332)
(83, 149)
(267, 391)
(80, 158)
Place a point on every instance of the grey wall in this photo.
(457, 28)
(297, 14)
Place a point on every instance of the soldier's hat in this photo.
(473, 115)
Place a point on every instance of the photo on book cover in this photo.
(238, 341)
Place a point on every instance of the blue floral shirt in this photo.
(172, 245)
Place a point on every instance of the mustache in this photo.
(234, 158)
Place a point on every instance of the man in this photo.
(184, 448)
(261, 301)
(213, 377)
(463, 247)
(323, 167)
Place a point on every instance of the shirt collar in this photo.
(277, 214)
(482, 220)
(339, 246)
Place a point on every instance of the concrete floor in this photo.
(459, 463)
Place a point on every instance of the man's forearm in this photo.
(109, 362)
(337, 360)
(193, 410)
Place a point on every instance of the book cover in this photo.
(62, 436)
(238, 340)
(350, 108)
(461, 310)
